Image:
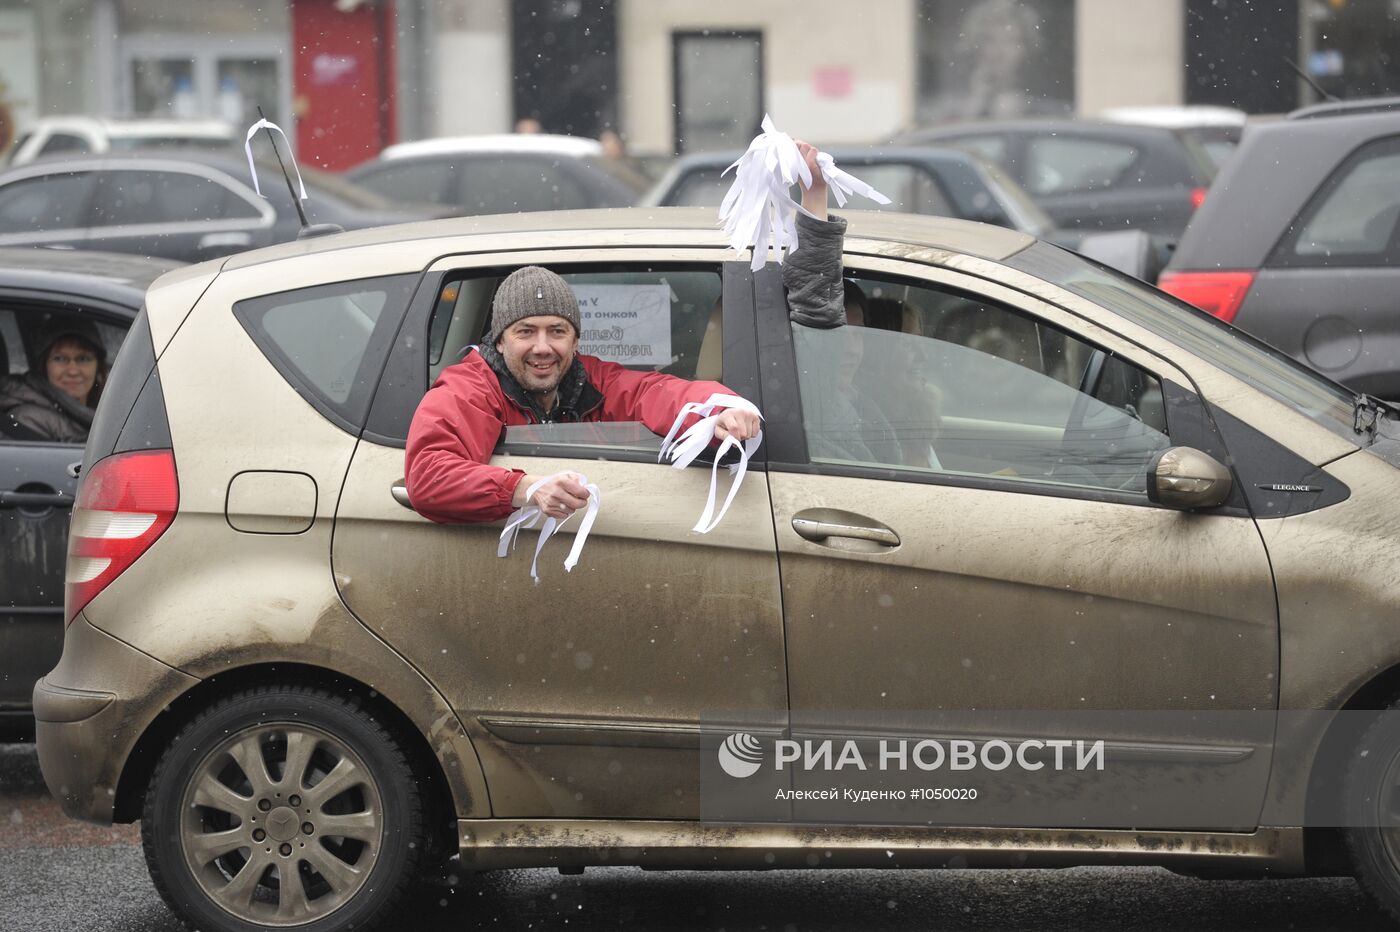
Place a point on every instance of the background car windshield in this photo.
(910, 188)
(1234, 351)
(196, 143)
(1026, 213)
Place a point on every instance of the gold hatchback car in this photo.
(1036, 567)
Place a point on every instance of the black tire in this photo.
(202, 800)
(1372, 797)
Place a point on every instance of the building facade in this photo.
(346, 77)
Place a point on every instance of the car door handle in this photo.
(818, 531)
(35, 500)
(400, 493)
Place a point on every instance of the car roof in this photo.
(137, 158)
(1100, 128)
(115, 277)
(637, 227)
(709, 161)
(192, 129)
(891, 153)
(573, 146)
(1187, 117)
(1336, 108)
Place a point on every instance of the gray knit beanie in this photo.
(532, 292)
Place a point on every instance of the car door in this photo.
(589, 693)
(37, 483)
(177, 214)
(47, 208)
(967, 550)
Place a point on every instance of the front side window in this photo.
(935, 381)
(645, 318)
(48, 202)
(1059, 164)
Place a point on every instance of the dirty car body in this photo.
(1029, 509)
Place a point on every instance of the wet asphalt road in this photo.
(60, 876)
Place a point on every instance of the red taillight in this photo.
(126, 502)
(1198, 197)
(1219, 293)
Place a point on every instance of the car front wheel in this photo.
(1373, 812)
(285, 806)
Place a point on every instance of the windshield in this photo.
(199, 143)
(1271, 371)
(337, 187)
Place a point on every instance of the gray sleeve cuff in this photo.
(812, 274)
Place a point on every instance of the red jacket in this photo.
(464, 415)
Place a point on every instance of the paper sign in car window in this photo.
(628, 324)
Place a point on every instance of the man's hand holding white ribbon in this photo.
(737, 423)
(558, 496)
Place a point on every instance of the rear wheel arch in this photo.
(149, 748)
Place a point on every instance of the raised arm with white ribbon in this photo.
(759, 211)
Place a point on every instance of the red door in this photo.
(343, 80)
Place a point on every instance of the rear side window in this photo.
(19, 144)
(1059, 165)
(64, 142)
(910, 188)
(48, 202)
(330, 341)
(137, 197)
(418, 182)
(504, 185)
(1351, 221)
(991, 148)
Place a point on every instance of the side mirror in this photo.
(1187, 479)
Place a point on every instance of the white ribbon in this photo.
(843, 184)
(527, 516)
(759, 211)
(683, 450)
(248, 148)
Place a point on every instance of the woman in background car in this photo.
(55, 399)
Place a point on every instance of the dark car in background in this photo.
(946, 182)
(189, 207)
(1217, 130)
(500, 174)
(41, 288)
(1090, 175)
(940, 182)
(1299, 243)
